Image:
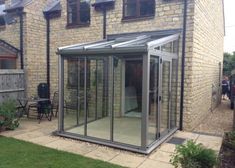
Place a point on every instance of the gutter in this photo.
(183, 66)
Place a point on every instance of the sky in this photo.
(229, 39)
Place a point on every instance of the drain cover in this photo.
(176, 141)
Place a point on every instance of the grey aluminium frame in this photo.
(144, 148)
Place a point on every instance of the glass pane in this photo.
(97, 108)
(127, 100)
(153, 99)
(73, 101)
(147, 7)
(167, 47)
(173, 113)
(7, 63)
(130, 8)
(165, 97)
(72, 12)
(84, 11)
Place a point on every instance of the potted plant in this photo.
(8, 119)
(192, 155)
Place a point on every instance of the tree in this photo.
(229, 63)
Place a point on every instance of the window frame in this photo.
(137, 13)
(12, 58)
(78, 21)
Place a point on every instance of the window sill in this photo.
(77, 25)
(137, 18)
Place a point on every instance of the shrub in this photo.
(230, 139)
(8, 117)
(192, 155)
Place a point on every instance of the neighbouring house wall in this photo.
(11, 34)
(208, 34)
(35, 46)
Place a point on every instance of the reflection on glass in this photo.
(153, 99)
(98, 120)
(127, 100)
(73, 102)
(173, 113)
(164, 116)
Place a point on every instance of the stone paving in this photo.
(218, 121)
(31, 131)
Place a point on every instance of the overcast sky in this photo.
(229, 40)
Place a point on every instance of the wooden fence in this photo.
(12, 84)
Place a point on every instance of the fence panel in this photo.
(12, 84)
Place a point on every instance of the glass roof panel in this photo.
(142, 42)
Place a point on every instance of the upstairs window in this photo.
(78, 12)
(138, 8)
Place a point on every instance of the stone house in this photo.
(37, 28)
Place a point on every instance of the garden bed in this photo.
(227, 152)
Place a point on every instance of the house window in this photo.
(7, 63)
(75, 75)
(138, 8)
(2, 14)
(78, 12)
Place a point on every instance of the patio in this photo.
(31, 131)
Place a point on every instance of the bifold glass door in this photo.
(86, 96)
(159, 98)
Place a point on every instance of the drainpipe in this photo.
(21, 39)
(47, 17)
(183, 66)
(104, 21)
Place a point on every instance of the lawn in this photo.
(15, 153)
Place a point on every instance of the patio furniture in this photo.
(42, 105)
(21, 107)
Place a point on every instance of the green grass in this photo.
(15, 153)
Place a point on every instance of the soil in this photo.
(227, 155)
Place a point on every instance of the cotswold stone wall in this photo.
(208, 34)
(35, 45)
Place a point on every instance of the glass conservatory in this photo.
(120, 92)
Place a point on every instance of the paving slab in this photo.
(43, 140)
(161, 156)
(186, 135)
(103, 153)
(60, 144)
(29, 135)
(167, 147)
(148, 163)
(81, 148)
(128, 160)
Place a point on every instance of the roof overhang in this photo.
(7, 49)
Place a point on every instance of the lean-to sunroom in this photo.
(120, 92)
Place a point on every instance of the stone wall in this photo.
(208, 34)
(35, 45)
